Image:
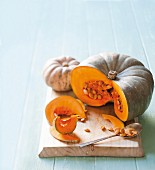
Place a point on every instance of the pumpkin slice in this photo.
(115, 121)
(111, 77)
(70, 138)
(82, 104)
(65, 125)
(63, 105)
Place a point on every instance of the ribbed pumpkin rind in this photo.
(135, 80)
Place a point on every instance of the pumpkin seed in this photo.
(93, 91)
(95, 96)
(85, 91)
(87, 130)
(109, 87)
(122, 130)
(100, 83)
(129, 130)
(82, 120)
(122, 134)
(134, 132)
(99, 96)
(111, 129)
(118, 102)
(91, 95)
(88, 89)
(119, 107)
(117, 131)
(103, 128)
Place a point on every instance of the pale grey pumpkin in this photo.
(56, 72)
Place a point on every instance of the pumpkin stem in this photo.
(112, 74)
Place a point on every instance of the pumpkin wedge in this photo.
(65, 125)
(63, 105)
(111, 77)
(114, 120)
(70, 138)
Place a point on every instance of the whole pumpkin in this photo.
(111, 77)
(56, 72)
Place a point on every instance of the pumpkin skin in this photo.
(128, 77)
(56, 72)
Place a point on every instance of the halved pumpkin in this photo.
(65, 125)
(110, 77)
(70, 138)
(63, 105)
(115, 121)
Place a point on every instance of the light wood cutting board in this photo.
(116, 146)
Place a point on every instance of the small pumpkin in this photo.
(69, 138)
(56, 72)
(64, 106)
(65, 125)
(111, 77)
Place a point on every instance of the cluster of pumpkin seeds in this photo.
(117, 101)
(96, 89)
(129, 132)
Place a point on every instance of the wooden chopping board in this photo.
(116, 146)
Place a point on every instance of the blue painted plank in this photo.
(48, 44)
(76, 163)
(18, 24)
(125, 30)
(145, 14)
(100, 33)
(75, 35)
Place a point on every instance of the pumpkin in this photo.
(69, 138)
(65, 125)
(117, 123)
(64, 106)
(56, 72)
(111, 77)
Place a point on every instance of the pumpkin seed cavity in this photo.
(99, 90)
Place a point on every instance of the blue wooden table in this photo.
(31, 31)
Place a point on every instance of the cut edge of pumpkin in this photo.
(124, 114)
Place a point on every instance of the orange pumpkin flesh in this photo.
(65, 125)
(63, 105)
(115, 121)
(87, 74)
(71, 138)
(77, 85)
